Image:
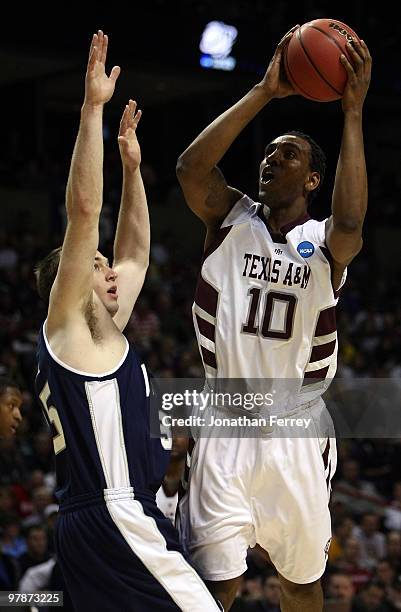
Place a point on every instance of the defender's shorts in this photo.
(271, 491)
(121, 553)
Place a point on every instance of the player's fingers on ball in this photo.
(286, 37)
(356, 58)
(358, 48)
(366, 48)
(347, 64)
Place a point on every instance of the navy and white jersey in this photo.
(101, 426)
(116, 549)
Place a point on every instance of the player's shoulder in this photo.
(310, 230)
(242, 211)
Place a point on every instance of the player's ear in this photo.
(312, 181)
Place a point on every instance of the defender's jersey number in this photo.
(53, 417)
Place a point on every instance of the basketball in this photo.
(312, 59)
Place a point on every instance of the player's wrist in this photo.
(264, 91)
(91, 107)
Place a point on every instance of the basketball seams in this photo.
(299, 88)
(313, 63)
(334, 40)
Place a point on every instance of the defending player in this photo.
(116, 549)
(265, 308)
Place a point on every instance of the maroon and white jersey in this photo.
(264, 304)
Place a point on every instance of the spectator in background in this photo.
(371, 599)
(41, 498)
(350, 563)
(392, 514)
(12, 465)
(358, 496)
(339, 588)
(9, 573)
(143, 326)
(342, 530)
(11, 541)
(37, 550)
(394, 550)
(372, 541)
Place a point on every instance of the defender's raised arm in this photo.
(73, 285)
(132, 241)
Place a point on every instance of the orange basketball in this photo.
(312, 59)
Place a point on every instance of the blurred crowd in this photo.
(364, 561)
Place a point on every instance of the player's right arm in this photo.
(74, 281)
(203, 184)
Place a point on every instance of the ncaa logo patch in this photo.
(305, 249)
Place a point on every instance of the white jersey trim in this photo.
(318, 340)
(81, 372)
(318, 365)
(204, 315)
(207, 344)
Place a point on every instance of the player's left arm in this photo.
(350, 195)
(132, 241)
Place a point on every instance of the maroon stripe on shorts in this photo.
(326, 323)
(208, 357)
(322, 351)
(206, 296)
(206, 329)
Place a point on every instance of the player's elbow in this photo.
(186, 167)
(349, 225)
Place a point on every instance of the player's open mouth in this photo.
(113, 291)
(267, 176)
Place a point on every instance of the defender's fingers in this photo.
(115, 73)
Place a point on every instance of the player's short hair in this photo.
(6, 382)
(317, 160)
(45, 273)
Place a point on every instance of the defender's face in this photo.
(284, 171)
(104, 284)
(10, 411)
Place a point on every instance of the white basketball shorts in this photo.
(271, 491)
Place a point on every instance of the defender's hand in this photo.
(358, 78)
(98, 86)
(275, 81)
(130, 150)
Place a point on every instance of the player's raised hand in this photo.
(275, 81)
(358, 75)
(130, 150)
(98, 86)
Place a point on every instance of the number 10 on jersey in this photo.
(278, 314)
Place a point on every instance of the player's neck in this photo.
(281, 217)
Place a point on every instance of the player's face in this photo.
(285, 171)
(104, 283)
(10, 411)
